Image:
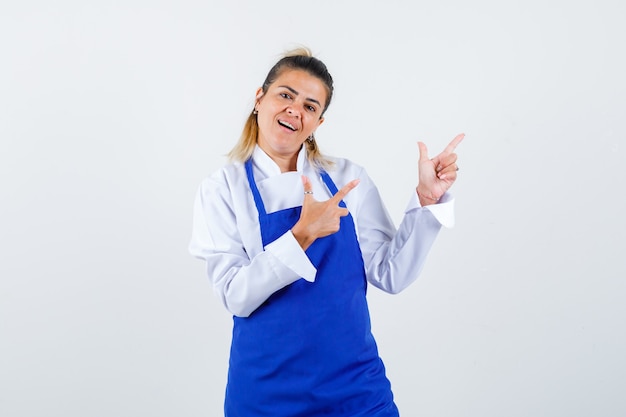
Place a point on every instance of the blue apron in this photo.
(308, 349)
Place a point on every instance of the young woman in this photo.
(291, 238)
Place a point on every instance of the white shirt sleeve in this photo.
(394, 258)
(242, 280)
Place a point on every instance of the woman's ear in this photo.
(259, 93)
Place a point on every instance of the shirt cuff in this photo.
(287, 250)
(443, 211)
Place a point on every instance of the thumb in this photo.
(423, 151)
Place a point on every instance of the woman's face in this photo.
(288, 113)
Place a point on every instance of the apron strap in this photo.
(255, 191)
(331, 186)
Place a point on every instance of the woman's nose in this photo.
(292, 111)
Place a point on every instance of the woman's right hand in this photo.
(319, 218)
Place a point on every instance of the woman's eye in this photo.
(285, 95)
(311, 108)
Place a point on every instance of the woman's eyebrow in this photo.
(296, 93)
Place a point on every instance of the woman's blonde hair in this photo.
(296, 59)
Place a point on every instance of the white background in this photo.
(112, 112)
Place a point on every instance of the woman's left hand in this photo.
(436, 175)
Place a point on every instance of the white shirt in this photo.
(227, 235)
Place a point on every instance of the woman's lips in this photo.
(287, 125)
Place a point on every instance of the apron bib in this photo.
(308, 349)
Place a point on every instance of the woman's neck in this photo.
(285, 162)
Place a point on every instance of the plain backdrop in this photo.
(112, 112)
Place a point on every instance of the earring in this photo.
(255, 111)
(311, 138)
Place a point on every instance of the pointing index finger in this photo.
(345, 190)
(455, 142)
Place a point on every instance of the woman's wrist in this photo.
(304, 239)
(425, 198)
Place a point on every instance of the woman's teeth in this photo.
(287, 125)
